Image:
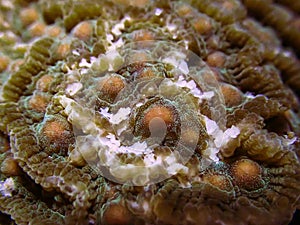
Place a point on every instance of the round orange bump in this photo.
(157, 121)
(216, 59)
(218, 180)
(141, 71)
(83, 30)
(184, 10)
(116, 214)
(227, 5)
(55, 133)
(37, 29)
(10, 167)
(158, 112)
(111, 85)
(146, 73)
(143, 35)
(202, 25)
(4, 61)
(232, 95)
(38, 102)
(54, 130)
(62, 50)
(247, 174)
(54, 31)
(213, 42)
(44, 82)
(28, 16)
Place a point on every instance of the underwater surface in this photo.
(144, 112)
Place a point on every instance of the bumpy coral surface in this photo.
(131, 112)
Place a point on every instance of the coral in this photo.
(247, 174)
(149, 112)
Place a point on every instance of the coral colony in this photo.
(144, 112)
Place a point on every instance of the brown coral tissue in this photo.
(145, 112)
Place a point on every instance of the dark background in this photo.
(296, 218)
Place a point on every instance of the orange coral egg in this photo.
(227, 5)
(145, 73)
(4, 61)
(63, 50)
(83, 30)
(202, 25)
(10, 167)
(111, 86)
(55, 134)
(37, 29)
(28, 16)
(220, 181)
(144, 35)
(54, 130)
(116, 214)
(38, 102)
(246, 173)
(44, 82)
(216, 59)
(158, 112)
(232, 95)
(184, 10)
(54, 31)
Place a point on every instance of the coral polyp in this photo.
(54, 131)
(119, 112)
(155, 117)
(115, 213)
(247, 174)
(219, 181)
(110, 86)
